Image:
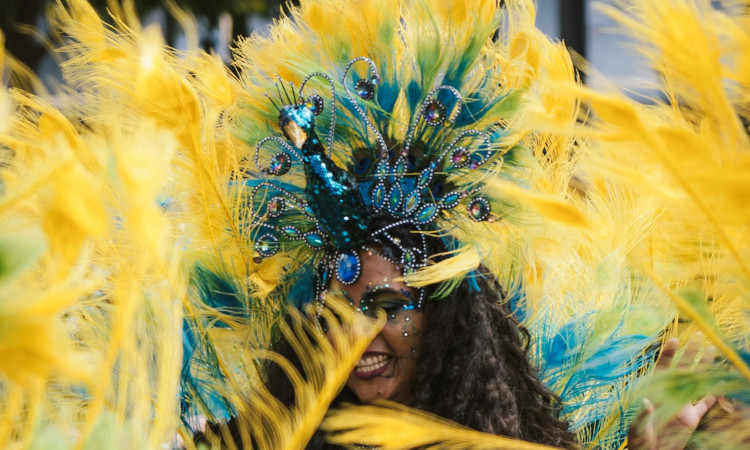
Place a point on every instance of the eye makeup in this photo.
(391, 301)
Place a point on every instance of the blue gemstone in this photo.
(425, 177)
(395, 199)
(348, 267)
(314, 239)
(427, 214)
(411, 202)
(379, 195)
(450, 200)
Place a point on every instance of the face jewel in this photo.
(460, 157)
(365, 89)
(267, 245)
(395, 198)
(450, 200)
(315, 103)
(275, 207)
(280, 163)
(427, 213)
(378, 195)
(434, 112)
(291, 232)
(314, 240)
(348, 267)
(479, 209)
(412, 201)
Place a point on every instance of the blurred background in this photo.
(578, 23)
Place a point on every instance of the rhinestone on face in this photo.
(280, 164)
(479, 209)
(267, 245)
(365, 89)
(434, 112)
(275, 207)
(460, 157)
(348, 267)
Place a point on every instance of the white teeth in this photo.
(372, 363)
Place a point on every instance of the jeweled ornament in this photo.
(434, 112)
(280, 164)
(365, 89)
(314, 240)
(460, 157)
(348, 267)
(275, 207)
(479, 209)
(315, 103)
(267, 245)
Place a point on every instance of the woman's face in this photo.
(389, 362)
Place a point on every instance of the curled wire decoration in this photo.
(420, 113)
(375, 77)
(268, 186)
(332, 126)
(452, 146)
(288, 148)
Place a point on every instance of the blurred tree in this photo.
(14, 14)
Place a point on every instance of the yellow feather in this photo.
(549, 208)
(392, 426)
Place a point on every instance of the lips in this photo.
(371, 365)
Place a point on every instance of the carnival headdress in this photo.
(422, 180)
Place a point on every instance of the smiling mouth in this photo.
(371, 366)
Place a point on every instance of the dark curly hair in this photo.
(472, 367)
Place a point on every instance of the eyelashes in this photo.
(390, 305)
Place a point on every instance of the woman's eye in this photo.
(393, 307)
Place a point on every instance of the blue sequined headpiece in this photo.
(410, 182)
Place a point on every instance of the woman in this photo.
(462, 357)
